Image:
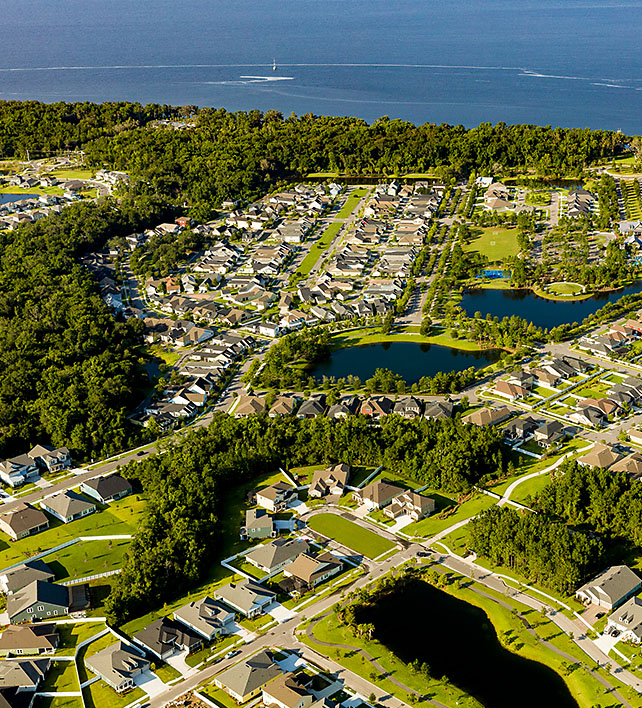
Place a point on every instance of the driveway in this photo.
(605, 642)
(179, 663)
(281, 614)
(150, 683)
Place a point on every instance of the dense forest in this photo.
(586, 518)
(186, 487)
(69, 373)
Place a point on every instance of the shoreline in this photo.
(538, 292)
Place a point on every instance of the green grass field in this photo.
(87, 558)
(537, 198)
(77, 173)
(345, 532)
(317, 249)
(565, 288)
(121, 517)
(496, 244)
(631, 199)
(61, 677)
(100, 695)
(351, 203)
(61, 702)
(72, 634)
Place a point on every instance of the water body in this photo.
(410, 360)
(556, 62)
(538, 310)
(5, 198)
(458, 640)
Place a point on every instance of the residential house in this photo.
(249, 405)
(49, 458)
(283, 405)
(307, 571)
(20, 679)
(208, 618)
(247, 597)
(377, 494)
(588, 415)
(377, 407)
(118, 665)
(487, 416)
(247, 679)
(329, 481)
(276, 497)
(312, 408)
(106, 489)
(411, 504)
(408, 407)
(287, 692)
(18, 470)
(627, 620)
(631, 465)
(258, 524)
(600, 455)
(509, 390)
(347, 406)
(549, 433)
(274, 556)
(38, 601)
(23, 520)
(165, 637)
(20, 576)
(439, 409)
(22, 640)
(68, 506)
(520, 428)
(610, 588)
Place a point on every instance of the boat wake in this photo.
(245, 80)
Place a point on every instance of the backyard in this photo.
(349, 534)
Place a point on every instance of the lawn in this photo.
(72, 634)
(434, 524)
(87, 558)
(77, 173)
(367, 335)
(120, 518)
(565, 288)
(537, 198)
(349, 534)
(62, 702)
(61, 677)
(351, 203)
(166, 673)
(318, 248)
(219, 697)
(100, 695)
(496, 244)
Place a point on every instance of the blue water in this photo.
(538, 310)
(5, 198)
(558, 62)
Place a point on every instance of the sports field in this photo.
(495, 243)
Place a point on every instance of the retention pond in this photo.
(457, 640)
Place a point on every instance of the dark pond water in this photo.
(6, 198)
(539, 310)
(458, 640)
(410, 360)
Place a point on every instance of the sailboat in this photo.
(274, 65)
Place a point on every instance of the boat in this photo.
(274, 65)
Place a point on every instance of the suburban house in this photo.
(25, 639)
(520, 428)
(247, 679)
(118, 665)
(312, 408)
(19, 577)
(273, 557)
(628, 620)
(165, 637)
(287, 692)
(588, 415)
(510, 390)
(610, 588)
(487, 416)
(283, 405)
(18, 470)
(439, 409)
(309, 571)
(22, 521)
(377, 494)
(411, 504)
(408, 407)
(249, 405)
(247, 597)
(20, 679)
(49, 458)
(258, 524)
(631, 465)
(276, 497)
(329, 481)
(207, 617)
(38, 601)
(549, 433)
(68, 506)
(376, 407)
(600, 455)
(106, 489)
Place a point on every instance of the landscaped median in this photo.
(349, 534)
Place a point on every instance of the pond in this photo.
(538, 310)
(457, 640)
(409, 359)
(6, 197)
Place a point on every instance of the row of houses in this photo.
(316, 406)
(21, 469)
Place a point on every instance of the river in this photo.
(411, 360)
(457, 640)
(538, 310)
(546, 62)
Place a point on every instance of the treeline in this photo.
(48, 128)
(69, 372)
(587, 518)
(181, 533)
(244, 154)
(545, 552)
